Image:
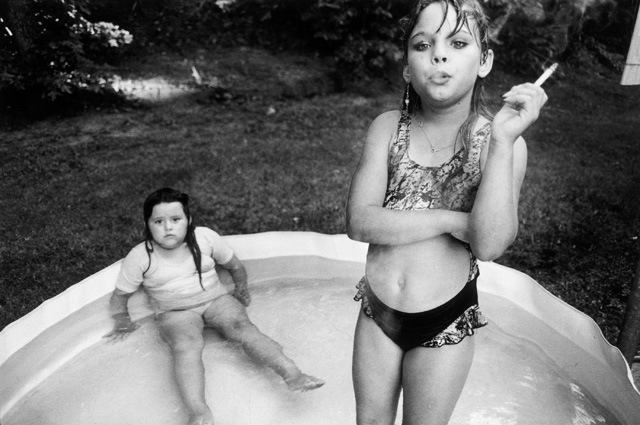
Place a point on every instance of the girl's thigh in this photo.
(433, 379)
(227, 315)
(181, 329)
(377, 374)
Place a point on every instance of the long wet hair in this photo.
(466, 11)
(168, 195)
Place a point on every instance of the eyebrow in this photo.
(419, 33)
(463, 29)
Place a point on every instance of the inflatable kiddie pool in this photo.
(538, 362)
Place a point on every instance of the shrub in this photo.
(525, 45)
(358, 35)
(65, 51)
(179, 23)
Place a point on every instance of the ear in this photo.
(405, 74)
(486, 64)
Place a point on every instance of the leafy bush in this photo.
(525, 46)
(612, 24)
(570, 31)
(102, 40)
(180, 23)
(64, 54)
(358, 35)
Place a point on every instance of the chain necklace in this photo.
(434, 150)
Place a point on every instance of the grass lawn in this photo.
(278, 155)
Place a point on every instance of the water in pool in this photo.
(512, 381)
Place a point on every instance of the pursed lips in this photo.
(440, 77)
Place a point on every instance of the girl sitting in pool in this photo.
(437, 185)
(175, 265)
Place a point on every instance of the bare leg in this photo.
(377, 372)
(229, 316)
(433, 379)
(182, 330)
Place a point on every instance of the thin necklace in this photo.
(434, 150)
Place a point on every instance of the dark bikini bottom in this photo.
(446, 324)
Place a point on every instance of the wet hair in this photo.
(466, 11)
(168, 195)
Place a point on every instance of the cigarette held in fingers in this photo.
(546, 74)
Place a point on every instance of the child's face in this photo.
(442, 66)
(168, 225)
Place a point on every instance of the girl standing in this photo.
(437, 186)
(176, 267)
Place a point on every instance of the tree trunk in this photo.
(19, 17)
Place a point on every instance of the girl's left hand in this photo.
(241, 293)
(522, 105)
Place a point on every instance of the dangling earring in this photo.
(406, 100)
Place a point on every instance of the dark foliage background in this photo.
(70, 44)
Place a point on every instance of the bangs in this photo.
(467, 13)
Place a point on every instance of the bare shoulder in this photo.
(481, 122)
(390, 117)
(384, 125)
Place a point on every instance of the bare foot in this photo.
(302, 383)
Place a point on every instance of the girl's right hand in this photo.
(124, 326)
(521, 108)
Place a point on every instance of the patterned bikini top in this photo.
(452, 186)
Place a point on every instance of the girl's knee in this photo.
(238, 327)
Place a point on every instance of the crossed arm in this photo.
(492, 224)
(367, 220)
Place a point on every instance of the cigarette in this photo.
(546, 74)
